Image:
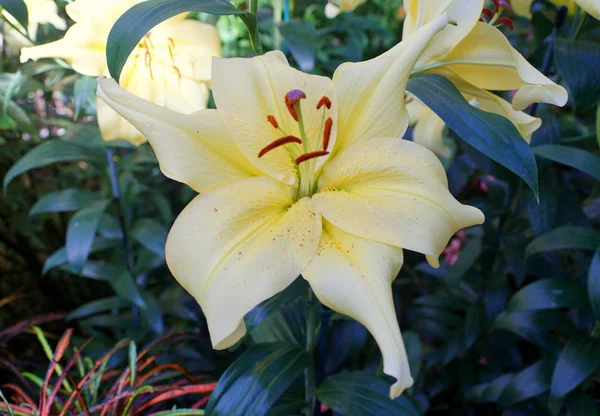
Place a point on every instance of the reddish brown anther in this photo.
(279, 142)
(311, 155)
(271, 119)
(324, 101)
(292, 98)
(507, 22)
(488, 12)
(327, 133)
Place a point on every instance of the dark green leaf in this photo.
(84, 93)
(126, 288)
(549, 294)
(48, 153)
(141, 18)
(549, 319)
(491, 134)
(153, 313)
(532, 381)
(97, 306)
(593, 284)
(18, 10)
(362, 394)
(59, 257)
(513, 246)
(301, 38)
(580, 404)
(151, 235)
(67, 200)
(577, 361)
(468, 256)
(579, 63)
(475, 323)
(287, 324)
(81, 232)
(571, 156)
(254, 382)
(269, 306)
(96, 270)
(565, 238)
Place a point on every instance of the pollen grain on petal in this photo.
(311, 155)
(278, 143)
(324, 101)
(327, 133)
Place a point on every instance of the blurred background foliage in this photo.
(509, 325)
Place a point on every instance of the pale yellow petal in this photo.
(114, 127)
(493, 64)
(238, 246)
(331, 11)
(590, 6)
(522, 7)
(371, 93)
(429, 127)
(110, 10)
(247, 90)
(353, 276)
(395, 192)
(465, 13)
(194, 149)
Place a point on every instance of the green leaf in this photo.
(97, 306)
(577, 361)
(362, 394)
(126, 288)
(84, 93)
(535, 319)
(578, 62)
(468, 256)
(141, 18)
(491, 134)
(566, 237)
(67, 200)
(549, 294)
(593, 284)
(302, 40)
(254, 382)
(81, 232)
(50, 152)
(59, 257)
(274, 304)
(151, 235)
(531, 382)
(571, 156)
(475, 323)
(95, 270)
(18, 10)
(580, 404)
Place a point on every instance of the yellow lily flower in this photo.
(170, 66)
(523, 7)
(429, 127)
(39, 12)
(301, 174)
(333, 8)
(477, 55)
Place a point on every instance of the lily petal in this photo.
(590, 6)
(238, 246)
(429, 127)
(353, 276)
(194, 149)
(395, 192)
(256, 88)
(421, 12)
(371, 93)
(495, 65)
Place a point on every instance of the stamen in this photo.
(327, 133)
(177, 71)
(324, 101)
(488, 12)
(311, 155)
(278, 143)
(291, 99)
(148, 62)
(508, 22)
(271, 119)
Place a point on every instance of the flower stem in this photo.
(311, 326)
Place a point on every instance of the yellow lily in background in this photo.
(170, 66)
(478, 58)
(39, 12)
(428, 127)
(335, 7)
(302, 174)
(523, 7)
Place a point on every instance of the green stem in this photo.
(496, 16)
(311, 326)
(596, 330)
(277, 14)
(253, 6)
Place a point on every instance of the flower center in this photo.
(299, 147)
(150, 54)
(493, 16)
